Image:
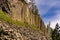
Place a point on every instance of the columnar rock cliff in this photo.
(18, 10)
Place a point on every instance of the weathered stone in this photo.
(18, 10)
(12, 33)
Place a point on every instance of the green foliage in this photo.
(5, 17)
(58, 37)
(55, 35)
(36, 10)
(33, 7)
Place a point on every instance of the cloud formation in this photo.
(49, 11)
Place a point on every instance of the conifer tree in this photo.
(33, 7)
(55, 33)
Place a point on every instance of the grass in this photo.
(5, 17)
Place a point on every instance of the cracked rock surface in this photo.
(10, 32)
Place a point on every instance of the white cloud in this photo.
(44, 6)
(56, 19)
(53, 20)
(54, 23)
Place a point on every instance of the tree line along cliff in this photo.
(19, 10)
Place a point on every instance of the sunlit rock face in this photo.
(18, 10)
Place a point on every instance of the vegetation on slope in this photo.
(5, 17)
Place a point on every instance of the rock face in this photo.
(10, 32)
(18, 10)
(4, 5)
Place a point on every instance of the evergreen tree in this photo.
(55, 34)
(33, 7)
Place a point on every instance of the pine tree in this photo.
(55, 34)
(33, 7)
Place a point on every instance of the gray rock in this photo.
(9, 32)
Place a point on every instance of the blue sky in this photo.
(49, 10)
